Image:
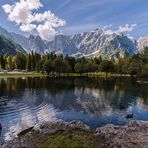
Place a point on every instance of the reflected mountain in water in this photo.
(92, 100)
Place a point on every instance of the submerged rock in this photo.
(128, 116)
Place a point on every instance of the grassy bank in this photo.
(90, 74)
(93, 74)
(73, 139)
(23, 75)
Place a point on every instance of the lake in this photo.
(28, 101)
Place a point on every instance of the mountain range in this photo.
(10, 47)
(90, 44)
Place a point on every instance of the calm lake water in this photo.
(25, 102)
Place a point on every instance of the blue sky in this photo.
(86, 15)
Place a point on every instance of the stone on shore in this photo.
(133, 135)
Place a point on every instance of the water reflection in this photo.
(91, 100)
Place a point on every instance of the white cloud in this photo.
(121, 29)
(23, 14)
(7, 8)
(107, 26)
(46, 30)
(109, 31)
(33, 4)
(50, 18)
(27, 27)
(126, 28)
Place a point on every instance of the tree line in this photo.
(52, 63)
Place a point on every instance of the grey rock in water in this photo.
(128, 116)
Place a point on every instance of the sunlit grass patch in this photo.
(74, 139)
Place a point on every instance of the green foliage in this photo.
(74, 139)
(145, 50)
(91, 67)
(57, 64)
(47, 66)
(2, 62)
(28, 61)
(20, 61)
(144, 72)
(71, 62)
(133, 68)
(106, 66)
(79, 67)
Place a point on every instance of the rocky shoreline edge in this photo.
(135, 134)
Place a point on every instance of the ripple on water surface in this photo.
(30, 101)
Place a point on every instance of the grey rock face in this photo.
(8, 46)
(89, 44)
(94, 43)
(36, 44)
(33, 43)
(21, 40)
(5, 33)
(142, 42)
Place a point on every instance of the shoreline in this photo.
(22, 75)
(131, 135)
(35, 74)
(140, 80)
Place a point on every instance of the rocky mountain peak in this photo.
(94, 43)
(142, 42)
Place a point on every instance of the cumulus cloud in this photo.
(43, 30)
(126, 28)
(24, 14)
(7, 8)
(27, 27)
(107, 26)
(121, 29)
